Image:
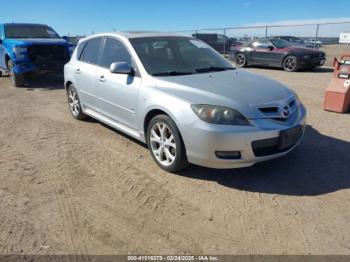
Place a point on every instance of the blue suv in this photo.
(27, 48)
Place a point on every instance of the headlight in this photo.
(219, 115)
(20, 52)
(18, 49)
(307, 56)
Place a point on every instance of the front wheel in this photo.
(165, 144)
(16, 79)
(240, 60)
(290, 64)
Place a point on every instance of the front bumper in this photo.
(312, 62)
(202, 140)
(28, 67)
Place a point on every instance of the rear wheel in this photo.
(165, 144)
(16, 79)
(74, 103)
(240, 60)
(290, 64)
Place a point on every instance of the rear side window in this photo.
(114, 51)
(91, 51)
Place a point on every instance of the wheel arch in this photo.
(150, 114)
(67, 84)
(7, 59)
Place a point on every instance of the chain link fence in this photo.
(222, 39)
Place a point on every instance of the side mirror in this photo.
(65, 38)
(270, 47)
(121, 68)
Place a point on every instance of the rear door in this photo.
(117, 93)
(85, 72)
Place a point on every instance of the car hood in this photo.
(238, 89)
(35, 41)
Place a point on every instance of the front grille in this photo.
(51, 57)
(267, 110)
(274, 112)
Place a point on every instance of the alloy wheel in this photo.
(290, 63)
(240, 60)
(74, 102)
(163, 144)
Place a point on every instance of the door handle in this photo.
(78, 71)
(102, 79)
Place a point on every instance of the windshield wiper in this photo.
(172, 73)
(213, 69)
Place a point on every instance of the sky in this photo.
(93, 16)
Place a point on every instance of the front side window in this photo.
(114, 51)
(260, 44)
(178, 55)
(29, 31)
(280, 43)
(90, 52)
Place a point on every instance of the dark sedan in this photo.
(274, 52)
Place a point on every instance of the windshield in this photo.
(280, 43)
(29, 31)
(178, 56)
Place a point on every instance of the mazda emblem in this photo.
(286, 111)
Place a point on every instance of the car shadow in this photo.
(319, 70)
(320, 165)
(314, 70)
(44, 82)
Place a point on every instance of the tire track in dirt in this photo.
(15, 166)
(40, 137)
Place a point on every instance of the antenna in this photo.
(114, 30)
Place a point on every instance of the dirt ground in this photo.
(74, 187)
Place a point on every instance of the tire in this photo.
(240, 60)
(290, 64)
(165, 144)
(74, 103)
(16, 79)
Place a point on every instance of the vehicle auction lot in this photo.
(73, 187)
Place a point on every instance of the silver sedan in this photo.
(183, 99)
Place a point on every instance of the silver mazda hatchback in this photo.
(182, 98)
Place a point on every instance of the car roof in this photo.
(139, 34)
(265, 39)
(289, 36)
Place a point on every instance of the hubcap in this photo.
(290, 63)
(163, 144)
(240, 60)
(74, 102)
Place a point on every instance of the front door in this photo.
(117, 93)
